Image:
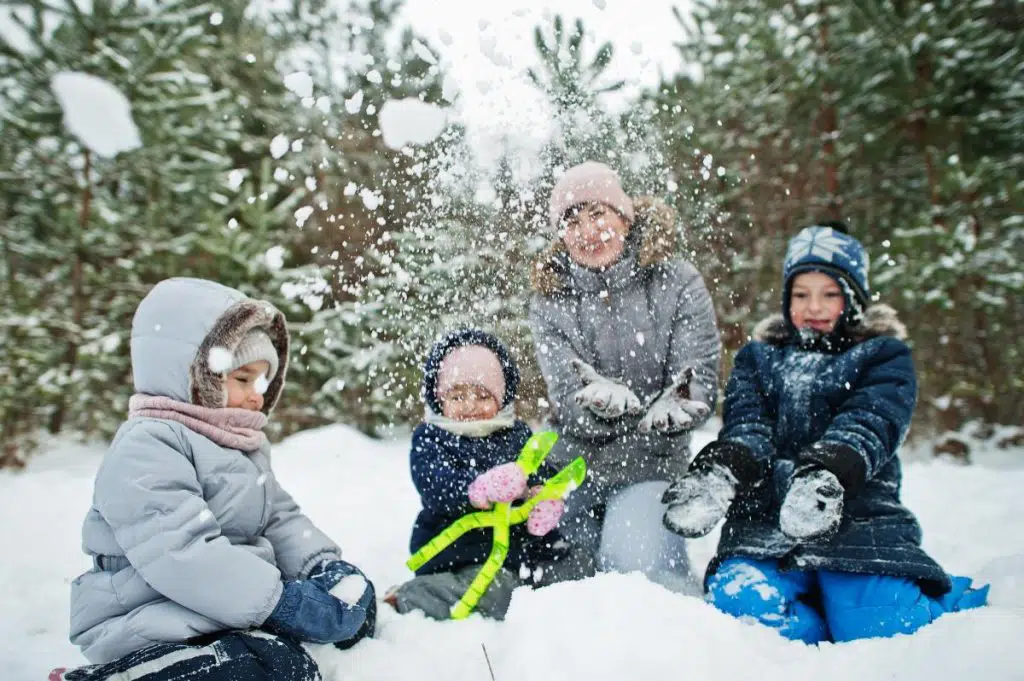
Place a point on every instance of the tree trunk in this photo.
(829, 124)
(77, 299)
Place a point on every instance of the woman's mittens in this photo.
(674, 411)
(605, 397)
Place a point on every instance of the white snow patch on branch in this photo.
(423, 52)
(96, 112)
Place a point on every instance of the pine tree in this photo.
(573, 86)
(85, 233)
(364, 196)
(903, 118)
(940, 102)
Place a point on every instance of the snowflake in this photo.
(820, 243)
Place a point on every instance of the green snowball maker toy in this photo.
(501, 518)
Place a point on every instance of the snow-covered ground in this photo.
(611, 627)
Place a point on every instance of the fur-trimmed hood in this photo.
(879, 320)
(178, 324)
(656, 221)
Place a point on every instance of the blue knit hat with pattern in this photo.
(828, 248)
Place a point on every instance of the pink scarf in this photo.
(228, 426)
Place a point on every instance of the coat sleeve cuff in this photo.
(842, 460)
(271, 605)
(736, 457)
(316, 559)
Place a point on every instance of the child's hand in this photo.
(608, 399)
(698, 500)
(674, 411)
(342, 580)
(813, 506)
(544, 517)
(309, 611)
(501, 484)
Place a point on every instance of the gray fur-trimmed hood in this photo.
(180, 321)
(656, 221)
(879, 320)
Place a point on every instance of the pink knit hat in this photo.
(590, 181)
(475, 365)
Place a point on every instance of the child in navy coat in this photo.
(816, 542)
(463, 460)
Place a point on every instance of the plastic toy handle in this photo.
(501, 517)
(557, 487)
(447, 537)
(536, 449)
(489, 570)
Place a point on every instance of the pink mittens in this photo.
(501, 484)
(506, 483)
(544, 517)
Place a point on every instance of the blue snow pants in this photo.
(226, 656)
(816, 606)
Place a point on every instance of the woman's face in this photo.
(594, 234)
(816, 302)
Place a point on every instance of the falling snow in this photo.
(300, 83)
(410, 121)
(220, 359)
(279, 146)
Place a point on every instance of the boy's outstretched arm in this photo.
(869, 428)
(748, 419)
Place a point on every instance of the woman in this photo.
(626, 338)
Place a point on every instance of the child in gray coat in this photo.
(626, 338)
(203, 566)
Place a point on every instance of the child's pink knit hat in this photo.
(588, 182)
(474, 365)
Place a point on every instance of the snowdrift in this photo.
(612, 627)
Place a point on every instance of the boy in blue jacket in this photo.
(462, 460)
(806, 471)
